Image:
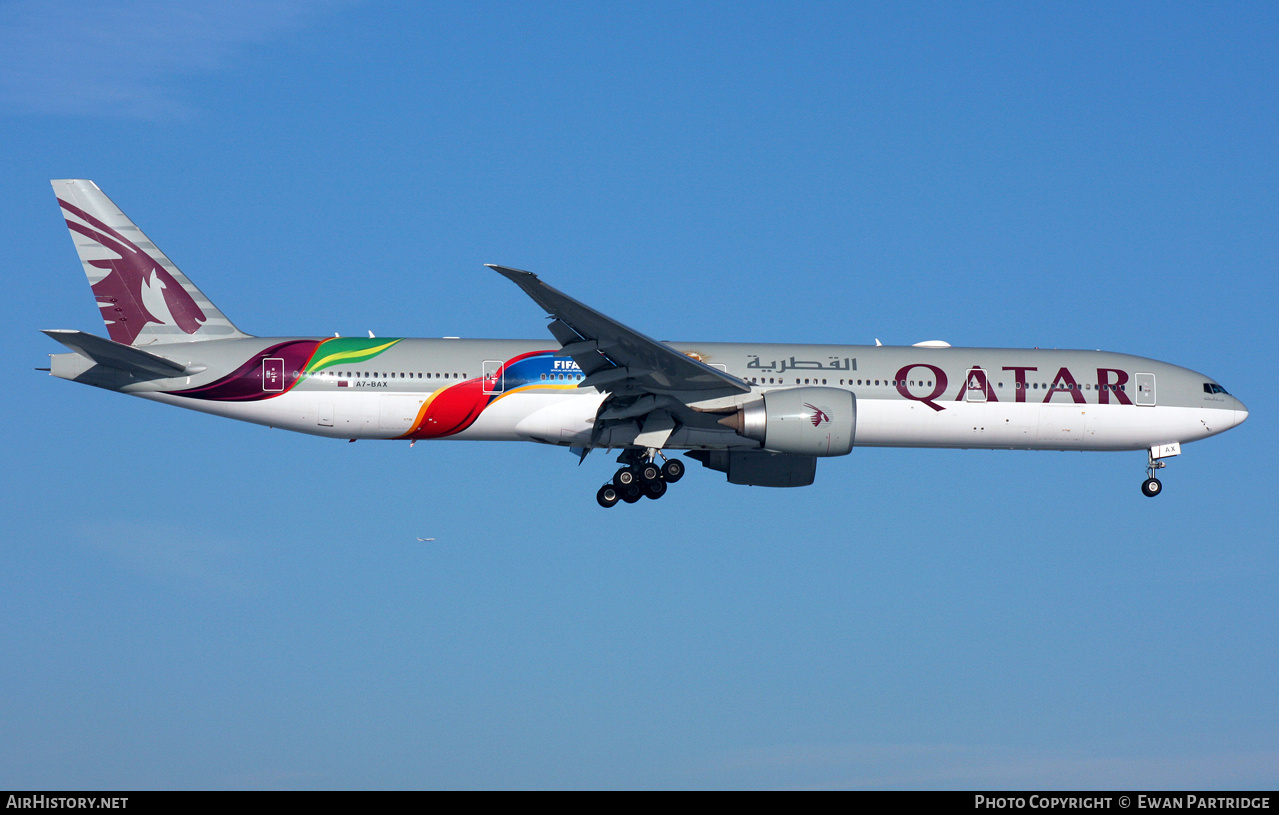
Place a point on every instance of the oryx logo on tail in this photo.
(137, 290)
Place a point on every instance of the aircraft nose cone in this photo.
(1241, 413)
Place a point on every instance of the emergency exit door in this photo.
(1145, 388)
(494, 375)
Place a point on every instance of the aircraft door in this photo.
(273, 375)
(494, 377)
(976, 385)
(1145, 388)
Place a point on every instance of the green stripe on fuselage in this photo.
(346, 351)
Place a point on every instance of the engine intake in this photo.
(801, 421)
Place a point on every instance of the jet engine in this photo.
(800, 421)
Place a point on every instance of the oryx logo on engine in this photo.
(818, 416)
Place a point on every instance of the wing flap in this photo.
(612, 353)
(586, 353)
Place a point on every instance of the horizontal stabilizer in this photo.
(120, 356)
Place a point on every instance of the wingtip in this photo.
(507, 271)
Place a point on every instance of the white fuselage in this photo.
(566, 418)
(389, 397)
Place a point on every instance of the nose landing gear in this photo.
(1152, 486)
(640, 476)
(1155, 461)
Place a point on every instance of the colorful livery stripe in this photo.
(249, 382)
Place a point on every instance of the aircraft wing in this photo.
(620, 359)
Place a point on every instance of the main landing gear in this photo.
(640, 476)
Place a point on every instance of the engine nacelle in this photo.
(800, 421)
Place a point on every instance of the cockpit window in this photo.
(1211, 387)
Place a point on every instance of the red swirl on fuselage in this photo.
(452, 410)
(456, 407)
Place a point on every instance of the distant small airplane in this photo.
(761, 413)
(425, 540)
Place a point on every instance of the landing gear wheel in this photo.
(1151, 486)
(631, 493)
(624, 478)
(607, 496)
(650, 473)
(655, 489)
(672, 470)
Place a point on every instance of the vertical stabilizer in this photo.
(144, 298)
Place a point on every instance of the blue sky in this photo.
(191, 602)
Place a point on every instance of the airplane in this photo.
(426, 540)
(762, 414)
